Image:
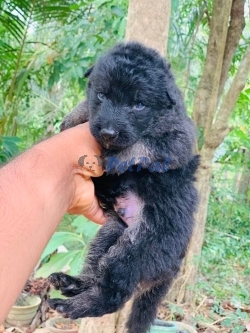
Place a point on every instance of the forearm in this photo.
(36, 190)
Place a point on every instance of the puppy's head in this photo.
(130, 88)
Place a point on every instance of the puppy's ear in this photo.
(87, 74)
(171, 86)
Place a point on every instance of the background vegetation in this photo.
(45, 48)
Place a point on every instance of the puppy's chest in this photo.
(127, 194)
(120, 194)
(110, 187)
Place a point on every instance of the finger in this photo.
(90, 166)
(87, 173)
(95, 213)
(97, 172)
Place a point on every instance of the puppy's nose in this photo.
(108, 134)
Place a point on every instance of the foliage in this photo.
(75, 245)
(8, 147)
(48, 68)
(225, 265)
(187, 43)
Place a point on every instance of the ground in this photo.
(208, 316)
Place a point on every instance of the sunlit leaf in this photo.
(57, 262)
(76, 263)
(86, 227)
(60, 238)
(117, 11)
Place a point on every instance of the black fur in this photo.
(150, 214)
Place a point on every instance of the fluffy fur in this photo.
(135, 110)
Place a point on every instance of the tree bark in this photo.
(237, 24)
(110, 323)
(148, 23)
(207, 93)
(220, 126)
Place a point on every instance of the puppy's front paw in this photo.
(78, 116)
(68, 122)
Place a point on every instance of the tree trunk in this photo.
(110, 323)
(206, 97)
(179, 291)
(205, 104)
(213, 123)
(148, 23)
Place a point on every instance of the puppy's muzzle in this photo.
(109, 134)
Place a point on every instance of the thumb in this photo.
(95, 213)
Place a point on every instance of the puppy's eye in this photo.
(101, 96)
(139, 106)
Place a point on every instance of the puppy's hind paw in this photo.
(68, 285)
(79, 306)
(62, 307)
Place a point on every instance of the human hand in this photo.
(84, 200)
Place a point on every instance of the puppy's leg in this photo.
(105, 238)
(116, 276)
(78, 116)
(144, 308)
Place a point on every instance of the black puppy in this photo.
(137, 114)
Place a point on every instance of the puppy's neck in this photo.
(132, 154)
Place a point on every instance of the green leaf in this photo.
(10, 145)
(174, 5)
(60, 238)
(20, 80)
(84, 63)
(56, 294)
(117, 11)
(122, 28)
(243, 315)
(100, 3)
(12, 139)
(74, 6)
(86, 227)
(227, 322)
(79, 71)
(76, 263)
(56, 264)
(239, 329)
